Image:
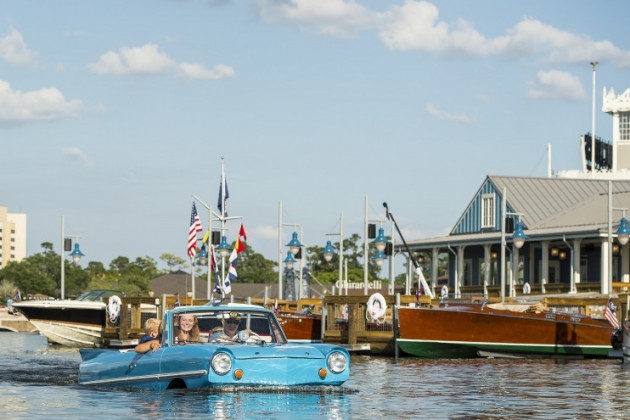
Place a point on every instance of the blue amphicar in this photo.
(213, 346)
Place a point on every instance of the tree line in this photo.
(41, 273)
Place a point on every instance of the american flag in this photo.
(609, 313)
(195, 227)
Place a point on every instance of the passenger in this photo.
(229, 330)
(151, 330)
(152, 337)
(188, 329)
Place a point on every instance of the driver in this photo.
(231, 322)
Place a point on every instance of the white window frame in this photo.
(488, 210)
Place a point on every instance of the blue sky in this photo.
(113, 114)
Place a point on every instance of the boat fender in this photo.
(376, 306)
(113, 307)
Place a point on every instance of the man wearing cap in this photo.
(230, 323)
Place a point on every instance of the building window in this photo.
(487, 211)
(624, 126)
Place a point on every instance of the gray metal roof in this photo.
(551, 208)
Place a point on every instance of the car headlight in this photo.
(221, 363)
(337, 361)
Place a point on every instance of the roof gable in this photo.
(546, 203)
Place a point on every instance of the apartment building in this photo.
(12, 236)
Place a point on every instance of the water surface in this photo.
(39, 380)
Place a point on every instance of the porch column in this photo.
(487, 259)
(603, 270)
(544, 275)
(435, 254)
(460, 271)
(625, 263)
(576, 263)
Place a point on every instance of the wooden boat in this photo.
(301, 327)
(472, 330)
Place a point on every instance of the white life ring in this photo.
(375, 307)
(113, 308)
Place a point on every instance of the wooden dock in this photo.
(14, 322)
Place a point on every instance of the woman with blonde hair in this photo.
(188, 329)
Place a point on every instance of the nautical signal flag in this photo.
(232, 274)
(195, 227)
(224, 194)
(609, 313)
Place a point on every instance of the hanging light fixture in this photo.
(623, 233)
(202, 256)
(76, 253)
(289, 261)
(329, 251)
(294, 244)
(519, 236)
(223, 247)
(379, 258)
(380, 241)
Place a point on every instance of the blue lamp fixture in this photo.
(223, 247)
(379, 258)
(623, 233)
(329, 251)
(295, 244)
(380, 241)
(289, 260)
(519, 236)
(76, 253)
(202, 256)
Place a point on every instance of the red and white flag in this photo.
(195, 227)
(609, 313)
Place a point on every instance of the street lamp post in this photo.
(329, 251)
(623, 234)
(518, 239)
(295, 246)
(76, 255)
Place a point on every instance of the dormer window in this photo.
(487, 211)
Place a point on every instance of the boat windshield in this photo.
(99, 295)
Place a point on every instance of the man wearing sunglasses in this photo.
(231, 322)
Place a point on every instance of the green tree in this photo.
(255, 268)
(173, 262)
(328, 272)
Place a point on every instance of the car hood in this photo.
(275, 351)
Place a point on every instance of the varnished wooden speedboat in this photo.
(471, 330)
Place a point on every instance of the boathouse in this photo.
(570, 221)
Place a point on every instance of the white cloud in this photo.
(339, 18)
(14, 50)
(76, 155)
(198, 71)
(415, 25)
(43, 104)
(139, 60)
(554, 84)
(265, 232)
(441, 115)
